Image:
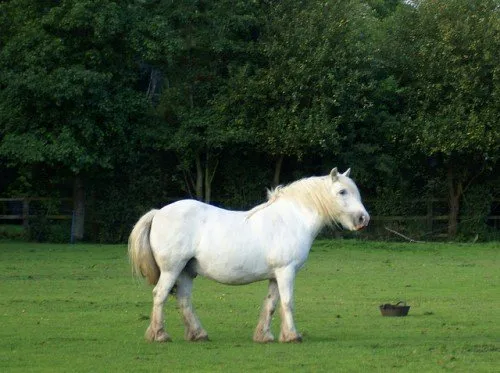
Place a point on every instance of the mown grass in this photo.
(76, 308)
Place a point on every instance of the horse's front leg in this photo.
(194, 330)
(285, 278)
(263, 331)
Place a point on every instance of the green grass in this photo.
(76, 308)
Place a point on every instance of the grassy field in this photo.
(76, 308)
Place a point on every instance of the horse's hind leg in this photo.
(194, 330)
(156, 331)
(263, 330)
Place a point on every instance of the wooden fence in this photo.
(21, 210)
(433, 219)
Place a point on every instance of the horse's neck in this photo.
(297, 216)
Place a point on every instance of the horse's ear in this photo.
(334, 174)
(347, 173)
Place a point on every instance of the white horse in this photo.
(272, 241)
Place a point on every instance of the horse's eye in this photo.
(343, 192)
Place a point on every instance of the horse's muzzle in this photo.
(362, 222)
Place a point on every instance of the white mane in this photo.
(313, 193)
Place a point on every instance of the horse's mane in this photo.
(311, 192)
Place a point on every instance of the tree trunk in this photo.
(208, 184)
(199, 179)
(210, 168)
(78, 209)
(277, 170)
(454, 194)
(154, 81)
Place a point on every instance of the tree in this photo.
(210, 38)
(445, 55)
(68, 97)
(308, 81)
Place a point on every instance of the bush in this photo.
(13, 232)
(476, 207)
(41, 229)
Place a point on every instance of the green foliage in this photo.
(207, 96)
(458, 93)
(67, 96)
(475, 210)
(448, 49)
(43, 229)
(443, 55)
(311, 78)
(241, 183)
(94, 316)
(12, 232)
(112, 209)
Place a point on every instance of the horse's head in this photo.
(351, 213)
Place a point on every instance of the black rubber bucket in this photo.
(398, 309)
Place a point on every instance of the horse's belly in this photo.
(233, 273)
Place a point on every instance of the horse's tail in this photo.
(139, 249)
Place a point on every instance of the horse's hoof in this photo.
(294, 338)
(201, 338)
(198, 336)
(264, 340)
(162, 337)
(158, 336)
(263, 337)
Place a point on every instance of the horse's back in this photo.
(184, 206)
(186, 222)
(196, 212)
(180, 218)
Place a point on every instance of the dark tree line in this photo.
(128, 105)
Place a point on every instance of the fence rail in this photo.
(21, 209)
